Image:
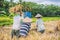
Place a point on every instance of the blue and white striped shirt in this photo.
(24, 29)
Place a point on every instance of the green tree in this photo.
(11, 3)
(20, 1)
(1, 4)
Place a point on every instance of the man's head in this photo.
(27, 19)
(38, 16)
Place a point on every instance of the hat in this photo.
(27, 19)
(38, 15)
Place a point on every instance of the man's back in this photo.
(16, 22)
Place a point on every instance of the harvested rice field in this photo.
(52, 32)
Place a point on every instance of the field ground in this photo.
(51, 32)
(48, 19)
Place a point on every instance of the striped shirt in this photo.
(24, 29)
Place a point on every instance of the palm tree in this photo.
(1, 3)
(11, 1)
(20, 1)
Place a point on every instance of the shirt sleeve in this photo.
(42, 22)
(36, 23)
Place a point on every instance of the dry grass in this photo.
(52, 32)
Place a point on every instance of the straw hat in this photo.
(27, 19)
(38, 15)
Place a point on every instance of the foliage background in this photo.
(45, 10)
(49, 12)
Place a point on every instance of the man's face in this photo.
(38, 17)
